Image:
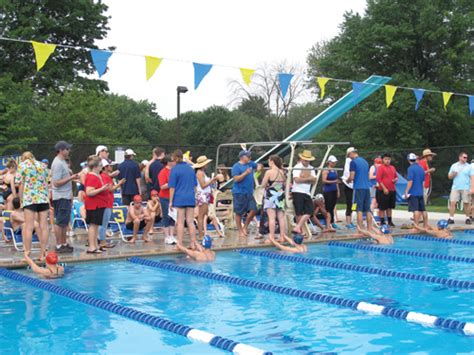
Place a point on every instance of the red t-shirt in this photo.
(163, 178)
(110, 195)
(99, 200)
(424, 164)
(385, 175)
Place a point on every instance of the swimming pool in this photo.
(37, 321)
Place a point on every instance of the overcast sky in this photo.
(242, 33)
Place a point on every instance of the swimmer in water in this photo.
(381, 236)
(51, 270)
(441, 231)
(296, 245)
(201, 253)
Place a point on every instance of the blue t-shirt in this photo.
(332, 175)
(462, 181)
(129, 170)
(416, 174)
(183, 180)
(361, 178)
(245, 186)
(154, 170)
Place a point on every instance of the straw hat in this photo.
(306, 155)
(201, 161)
(428, 152)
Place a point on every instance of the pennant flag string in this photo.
(247, 75)
(100, 60)
(284, 79)
(200, 71)
(151, 63)
(322, 85)
(42, 53)
(471, 104)
(418, 96)
(446, 97)
(389, 94)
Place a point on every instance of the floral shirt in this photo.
(34, 178)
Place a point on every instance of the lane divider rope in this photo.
(370, 308)
(469, 231)
(386, 250)
(439, 240)
(133, 314)
(359, 268)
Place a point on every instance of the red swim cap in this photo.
(378, 161)
(52, 258)
(154, 193)
(137, 199)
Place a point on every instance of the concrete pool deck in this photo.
(11, 258)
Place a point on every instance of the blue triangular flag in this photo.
(471, 104)
(419, 96)
(284, 79)
(356, 88)
(200, 71)
(100, 59)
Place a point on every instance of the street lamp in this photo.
(179, 90)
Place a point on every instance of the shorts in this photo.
(362, 200)
(416, 203)
(203, 198)
(457, 195)
(38, 207)
(167, 221)
(244, 203)
(7, 193)
(129, 225)
(386, 202)
(303, 204)
(62, 212)
(95, 216)
(373, 192)
(158, 219)
(80, 187)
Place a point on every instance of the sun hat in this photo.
(411, 157)
(100, 148)
(350, 150)
(306, 155)
(129, 152)
(428, 152)
(52, 258)
(244, 153)
(332, 159)
(61, 145)
(298, 238)
(207, 242)
(201, 161)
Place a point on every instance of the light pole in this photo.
(179, 90)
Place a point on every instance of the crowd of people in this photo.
(177, 191)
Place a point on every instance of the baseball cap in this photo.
(244, 153)
(411, 157)
(207, 242)
(129, 152)
(52, 258)
(105, 163)
(145, 162)
(100, 148)
(61, 145)
(332, 159)
(350, 150)
(46, 161)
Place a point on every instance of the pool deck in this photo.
(10, 258)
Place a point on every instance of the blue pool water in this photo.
(35, 321)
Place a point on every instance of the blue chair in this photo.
(11, 235)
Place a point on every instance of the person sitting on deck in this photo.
(201, 253)
(320, 211)
(381, 236)
(138, 219)
(441, 231)
(51, 270)
(296, 245)
(153, 207)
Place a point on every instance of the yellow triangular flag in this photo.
(247, 75)
(389, 94)
(322, 85)
(446, 97)
(152, 63)
(42, 52)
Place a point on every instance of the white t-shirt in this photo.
(304, 188)
(346, 173)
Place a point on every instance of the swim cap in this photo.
(154, 193)
(207, 242)
(319, 197)
(137, 199)
(442, 224)
(384, 229)
(52, 258)
(298, 238)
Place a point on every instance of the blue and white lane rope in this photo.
(439, 240)
(386, 250)
(469, 231)
(141, 317)
(359, 268)
(370, 308)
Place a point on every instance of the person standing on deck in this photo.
(460, 173)
(414, 191)
(348, 189)
(386, 192)
(130, 171)
(425, 161)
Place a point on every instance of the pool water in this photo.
(35, 321)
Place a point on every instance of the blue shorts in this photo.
(165, 204)
(362, 200)
(62, 211)
(244, 203)
(416, 203)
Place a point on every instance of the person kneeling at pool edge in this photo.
(381, 236)
(296, 245)
(441, 231)
(51, 270)
(201, 253)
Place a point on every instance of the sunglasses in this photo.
(465, 157)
